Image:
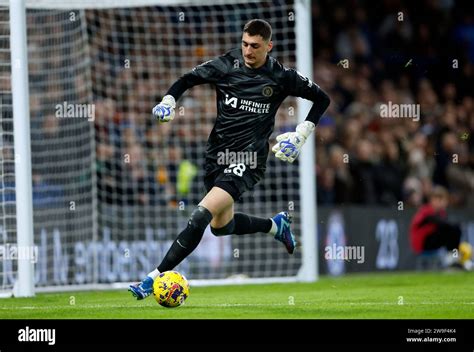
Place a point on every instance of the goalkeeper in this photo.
(250, 87)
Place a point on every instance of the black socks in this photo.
(187, 240)
(243, 224)
(190, 237)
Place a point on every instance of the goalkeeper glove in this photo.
(164, 111)
(289, 144)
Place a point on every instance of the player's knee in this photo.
(200, 218)
(223, 231)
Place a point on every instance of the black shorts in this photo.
(235, 179)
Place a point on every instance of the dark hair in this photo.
(259, 27)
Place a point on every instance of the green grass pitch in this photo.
(440, 295)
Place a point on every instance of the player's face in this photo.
(255, 50)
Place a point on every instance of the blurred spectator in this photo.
(390, 174)
(461, 178)
(444, 157)
(343, 183)
(405, 56)
(363, 172)
(430, 230)
(412, 192)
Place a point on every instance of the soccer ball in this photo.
(170, 289)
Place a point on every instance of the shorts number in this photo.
(237, 169)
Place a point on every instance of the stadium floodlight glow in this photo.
(112, 190)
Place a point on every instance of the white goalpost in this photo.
(304, 55)
(21, 128)
(105, 189)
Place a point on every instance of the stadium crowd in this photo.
(397, 52)
(365, 54)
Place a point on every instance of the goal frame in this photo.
(24, 286)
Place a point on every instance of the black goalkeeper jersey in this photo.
(247, 101)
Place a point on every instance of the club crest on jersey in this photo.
(267, 91)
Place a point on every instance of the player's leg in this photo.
(220, 203)
(224, 220)
(214, 203)
(279, 227)
(243, 224)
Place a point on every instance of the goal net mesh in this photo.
(112, 188)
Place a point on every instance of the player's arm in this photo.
(208, 72)
(289, 144)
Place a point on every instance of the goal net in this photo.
(7, 155)
(112, 188)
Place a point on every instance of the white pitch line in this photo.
(230, 305)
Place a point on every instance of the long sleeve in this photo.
(208, 72)
(300, 86)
